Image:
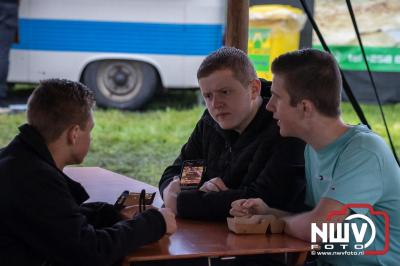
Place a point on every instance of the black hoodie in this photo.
(42, 218)
(257, 163)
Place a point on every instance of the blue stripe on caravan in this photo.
(119, 37)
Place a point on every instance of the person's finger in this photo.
(238, 212)
(237, 203)
(238, 209)
(203, 188)
(212, 187)
(209, 187)
(217, 182)
(170, 195)
(175, 186)
(250, 203)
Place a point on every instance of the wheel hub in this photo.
(120, 78)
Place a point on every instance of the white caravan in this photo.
(122, 49)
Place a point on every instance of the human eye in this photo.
(226, 91)
(207, 96)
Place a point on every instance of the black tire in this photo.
(121, 84)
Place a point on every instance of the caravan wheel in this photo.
(121, 84)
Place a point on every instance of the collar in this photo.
(31, 137)
(36, 142)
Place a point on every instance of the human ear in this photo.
(255, 87)
(72, 134)
(307, 108)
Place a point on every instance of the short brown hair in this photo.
(313, 75)
(228, 58)
(58, 103)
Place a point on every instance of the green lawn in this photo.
(374, 118)
(142, 144)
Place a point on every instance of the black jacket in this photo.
(256, 163)
(42, 220)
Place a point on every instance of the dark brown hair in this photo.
(228, 58)
(57, 104)
(313, 75)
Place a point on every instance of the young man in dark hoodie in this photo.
(239, 142)
(43, 221)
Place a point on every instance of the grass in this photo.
(138, 144)
(141, 144)
(374, 118)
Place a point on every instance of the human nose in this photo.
(216, 102)
(270, 105)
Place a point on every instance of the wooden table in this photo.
(104, 185)
(194, 239)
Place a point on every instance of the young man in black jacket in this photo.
(43, 221)
(240, 144)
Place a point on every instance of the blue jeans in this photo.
(8, 29)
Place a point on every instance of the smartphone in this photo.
(191, 174)
(133, 198)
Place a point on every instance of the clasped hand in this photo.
(248, 207)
